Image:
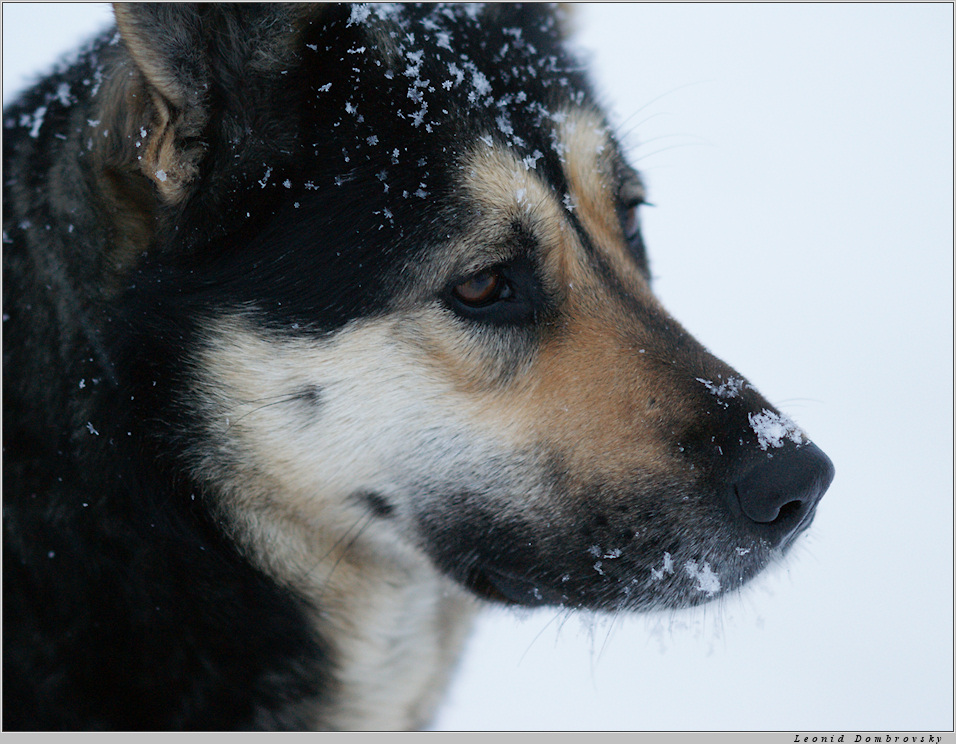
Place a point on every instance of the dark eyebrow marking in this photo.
(582, 233)
(598, 260)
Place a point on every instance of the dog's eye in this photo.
(632, 222)
(631, 227)
(505, 295)
(482, 289)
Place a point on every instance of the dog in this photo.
(323, 327)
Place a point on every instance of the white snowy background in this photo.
(800, 158)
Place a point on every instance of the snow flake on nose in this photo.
(361, 12)
(724, 390)
(773, 428)
(598, 552)
(531, 160)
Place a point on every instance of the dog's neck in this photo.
(394, 626)
(397, 643)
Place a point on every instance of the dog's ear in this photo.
(164, 102)
(163, 40)
(183, 71)
(183, 56)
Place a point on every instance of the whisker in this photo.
(625, 134)
(663, 95)
(277, 401)
(538, 635)
(643, 158)
(367, 517)
(364, 521)
(614, 618)
(643, 143)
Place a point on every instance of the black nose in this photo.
(778, 493)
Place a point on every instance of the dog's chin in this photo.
(681, 586)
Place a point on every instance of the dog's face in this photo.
(428, 329)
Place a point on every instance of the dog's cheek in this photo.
(354, 419)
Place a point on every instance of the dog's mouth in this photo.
(505, 588)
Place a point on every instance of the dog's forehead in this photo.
(399, 98)
(585, 179)
(510, 41)
(570, 210)
(426, 77)
(508, 191)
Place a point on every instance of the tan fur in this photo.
(392, 406)
(588, 167)
(117, 146)
(150, 122)
(149, 59)
(592, 410)
(137, 139)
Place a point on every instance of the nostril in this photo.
(764, 509)
(779, 493)
(792, 510)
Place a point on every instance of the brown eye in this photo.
(481, 289)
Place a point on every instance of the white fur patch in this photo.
(386, 421)
(382, 422)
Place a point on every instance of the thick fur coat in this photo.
(323, 325)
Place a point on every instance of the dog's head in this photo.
(412, 302)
